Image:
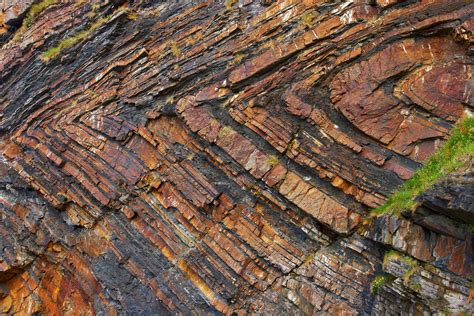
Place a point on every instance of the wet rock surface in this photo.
(212, 157)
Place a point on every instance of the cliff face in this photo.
(223, 156)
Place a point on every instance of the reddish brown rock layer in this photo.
(207, 157)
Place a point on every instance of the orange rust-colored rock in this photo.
(220, 157)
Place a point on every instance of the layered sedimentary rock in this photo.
(216, 157)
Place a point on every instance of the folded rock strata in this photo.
(209, 157)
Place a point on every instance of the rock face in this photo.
(208, 157)
(453, 197)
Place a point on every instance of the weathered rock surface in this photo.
(208, 157)
(453, 197)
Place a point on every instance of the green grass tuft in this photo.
(379, 281)
(413, 264)
(447, 159)
(415, 287)
(391, 254)
(32, 13)
(71, 41)
(39, 7)
(291, 144)
(27, 22)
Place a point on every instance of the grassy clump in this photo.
(39, 7)
(36, 9)
(413, 264)
(71, 41)
(395, 255)
(291, 144)
(444, 161)
(32, 13)
(377, 283)
(415, 287)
